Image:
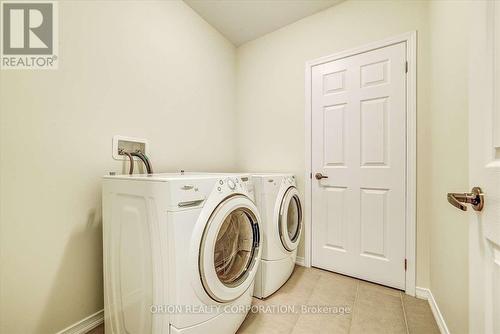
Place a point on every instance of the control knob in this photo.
(231, 184)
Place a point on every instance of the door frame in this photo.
(411, 147)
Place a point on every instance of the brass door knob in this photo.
(320, 176)
(475, 198)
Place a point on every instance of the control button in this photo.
(221, 182)
(231, 184)
(219, 189)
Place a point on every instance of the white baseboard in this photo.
(85, 325)
(424, 293)
(299, 260)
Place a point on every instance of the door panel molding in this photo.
(373, 77)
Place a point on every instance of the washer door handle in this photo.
(190, 203)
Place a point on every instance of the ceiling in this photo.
(244, 20)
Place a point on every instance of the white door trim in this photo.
(411, 147)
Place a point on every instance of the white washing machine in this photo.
(278, 201)
(180, 252)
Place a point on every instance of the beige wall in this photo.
(270, 89)
(146, 69)
(270, 98)
(448, 156)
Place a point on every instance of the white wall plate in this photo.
(128, 144)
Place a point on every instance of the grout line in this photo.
(404, 312)
(306, 299)
(354, 306)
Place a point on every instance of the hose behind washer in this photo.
(145, 160)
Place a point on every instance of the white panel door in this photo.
(359, 144)
(484, 156)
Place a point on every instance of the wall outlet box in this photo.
(129, 144)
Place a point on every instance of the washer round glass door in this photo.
(290, 219)
(230, 249)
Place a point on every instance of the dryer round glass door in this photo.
(290, 219)
(230, 249)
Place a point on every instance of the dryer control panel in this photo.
(236, 184)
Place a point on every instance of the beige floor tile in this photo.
(297, 289)
(419, 316)
(300, 276)
(377, 310)
(268, 323)
(379, 289)
(368, 308)
(336, 292)
(322, 323)
(334, 289)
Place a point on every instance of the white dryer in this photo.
(180, 252)
(278, 201)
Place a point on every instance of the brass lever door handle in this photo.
(475, 198)
(320, 176)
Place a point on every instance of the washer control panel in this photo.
(231, 184)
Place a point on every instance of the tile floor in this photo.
(373, 308)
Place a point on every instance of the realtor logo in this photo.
(29, 35)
